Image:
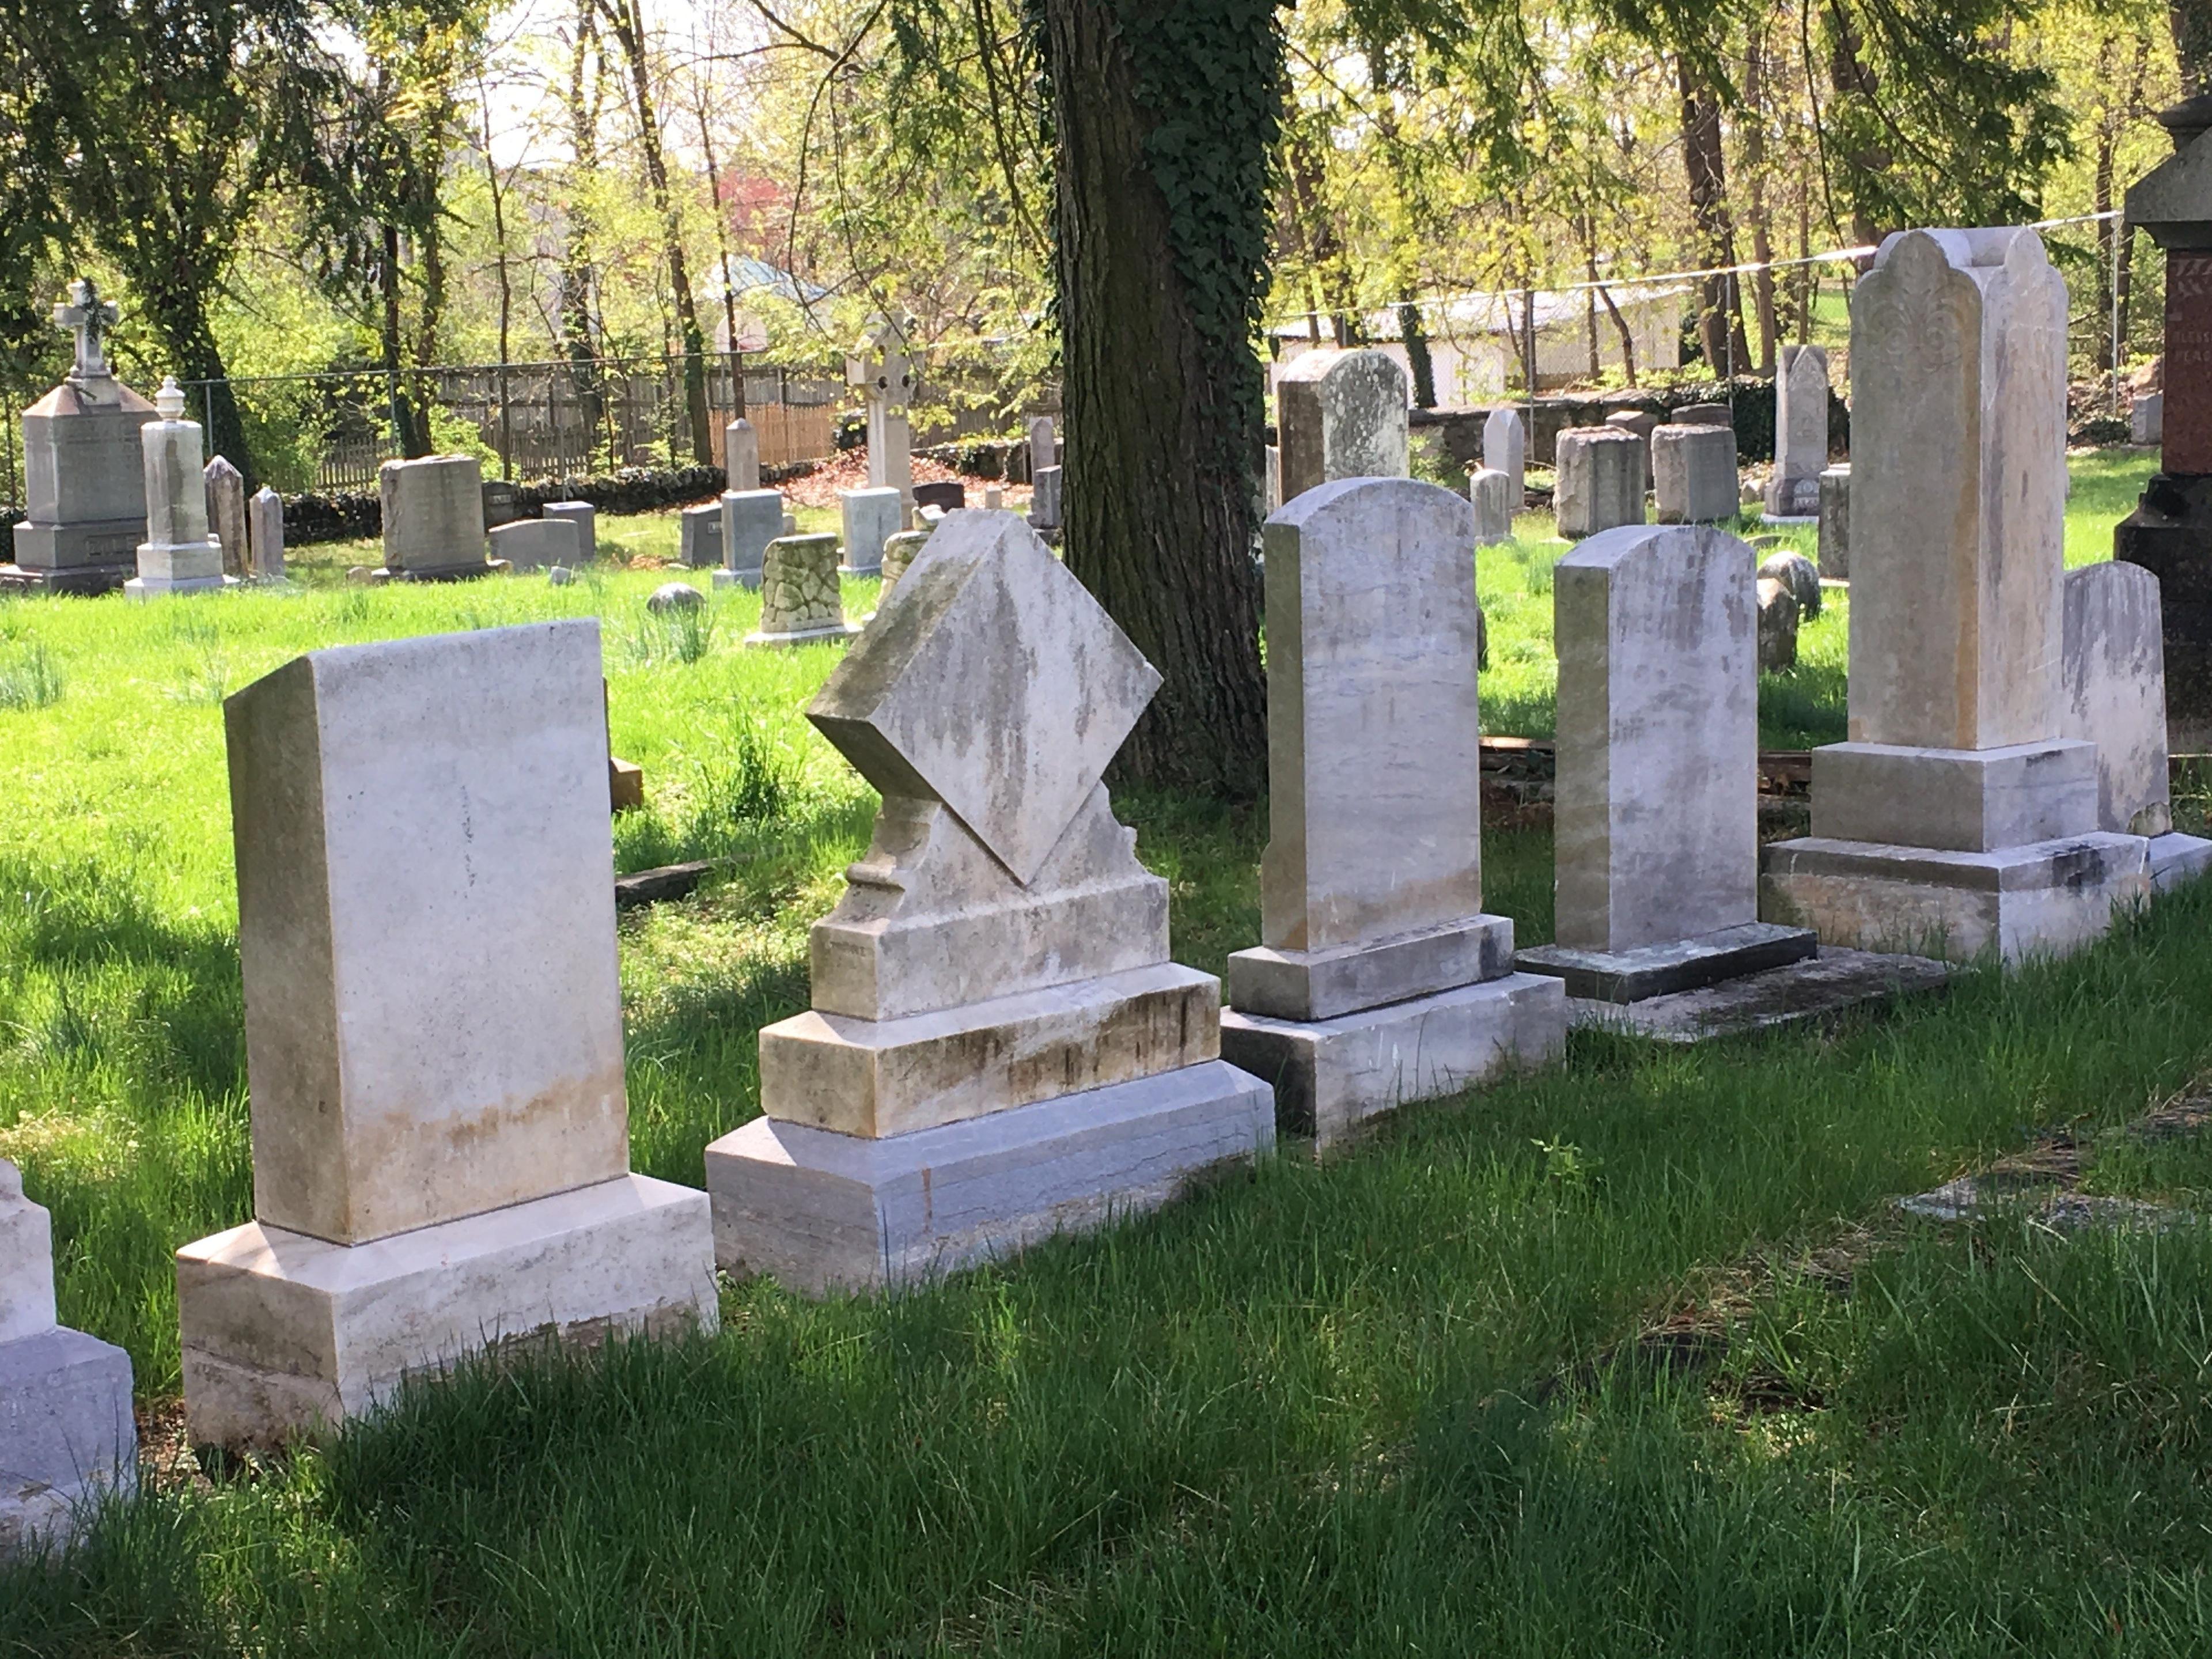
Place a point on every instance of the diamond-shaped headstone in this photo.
(990, 680)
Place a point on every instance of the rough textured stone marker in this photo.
(1656, 812)
(1000, 1048)
(1800, 575)
(226, 515)
(433, 518)
(1600, 480)
(178, 556)
(1778, 615)
(1341, 415)
(1693, 473)
(1379, 978)
(438, 1167)
(67, 1436)
(801, 603)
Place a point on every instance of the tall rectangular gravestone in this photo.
(1341, 415)
(178, 556)
(751, 519)
(1800, 434)
(264, 522)
(1958, 818)
(433, 518)
(1000, 1048)
(433, 1034)
(1379, 978)
(1506, 449)
(226, 515)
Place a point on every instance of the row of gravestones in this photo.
(1000, 1046)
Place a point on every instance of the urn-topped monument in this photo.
(83, 471)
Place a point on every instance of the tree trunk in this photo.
(178, 315)
(408, 426)
(1720, 315)
(576, 337)
(1164, 412)
(2107, 143)
(1627, 335)
(1762, 230)
(2192, 22)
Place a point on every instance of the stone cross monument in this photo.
(89, 317)
(879, 369)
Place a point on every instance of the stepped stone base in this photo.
(2046, 899)
(154, 587)
(821, 1211)
(1809, 989)
(284, 1334)
(66, 1435)
(1330, 1075)
(1653, 971)
(1310, 985)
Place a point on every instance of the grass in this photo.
(1403, 1401)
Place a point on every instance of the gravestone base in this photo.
(83, 580)
(820, 1211)
(748, 580)
(284, 1334)
(1810, 990)
(828, 634)
(1786, 519)
(1653, 971)
(154, 587)
(442, 573)
(2170, 534)
(1312, 985)
(2176, 859)
(67, 1436)
(1330, 1075)
(1964, 800)
(2047, 898)
(64, 548)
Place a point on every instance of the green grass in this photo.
(1393, 1403)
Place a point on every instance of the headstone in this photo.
(1693, 473)
(1341, 415)
(879, 369)
(178, 556)
(1801, 433)
(67, 1435)
(1656, 811)
(900, 551)
(1600, 480)
(226, 514)
(1705, 415)
(871, 518)
(1044, 448)
(1044, 499)
(948, 495)
(699, 536)
(536, 543)
(586, 517)
(673, 597)
(993, 498)
(440, 1164)
(265, 524)
(84, 479)
(2115, 697)
(1778, 615)
(1490, 492)
(434, 523)
(741, 456)
(559, 576)
(502, 503)
(751, 519)
(1379, 978)
(1836, 522)
(1271, 479)
(1800, 575)
(1958, 817)
(1643, 422)
(801, 603)
(2146, 418)
(1506, 449)
(999, 1048)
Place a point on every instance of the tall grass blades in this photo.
(30, 678)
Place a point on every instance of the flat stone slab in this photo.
(1811, 988)
(1330, 1075)
(1652, 970)
(836, 635)
(66, 1434)
(81, 579)
(1971, 1197)
(2177, 860)
(820, 1211)
(1310, 985)
(284, 1334)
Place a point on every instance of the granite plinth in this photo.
(1330, 1075)
(1961, 800)
(67, 1436)
(2044, 899)
(820, 1211)
(80, 579)
(1812, 988)
(285, 1334)
(1312, 985)
(1652, 970)
(67, 549)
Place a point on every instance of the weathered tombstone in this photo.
(434, 1043)
(584, 517)
(1643, 422)
(1957, 818)
(67, 1435)
(1271, 479)
(1693, 473)
(2115, 698)
(879, 369)
(993, 498)
(671, 597)
(1044, 448)
(178, 556)
(1000, 1048)
(1340, 415)
(1800, 575)
(1600, 480)
(1490, 492)
(900, 551)
(538, 544)
(1705, 414)
(751, 519)
(502, 503)
(1779, 614)
(871, 516)
(741, 456)
(434, 522)
(801, 603)
(947, 496)
(1506, 449)
(1836, 522)
(2146, 418)
(264, 526)
(1801, 433)
(83, 467)
(1379, 978)
(699, 536)
(226, 513)
(1044, 499)
(1656, 809)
